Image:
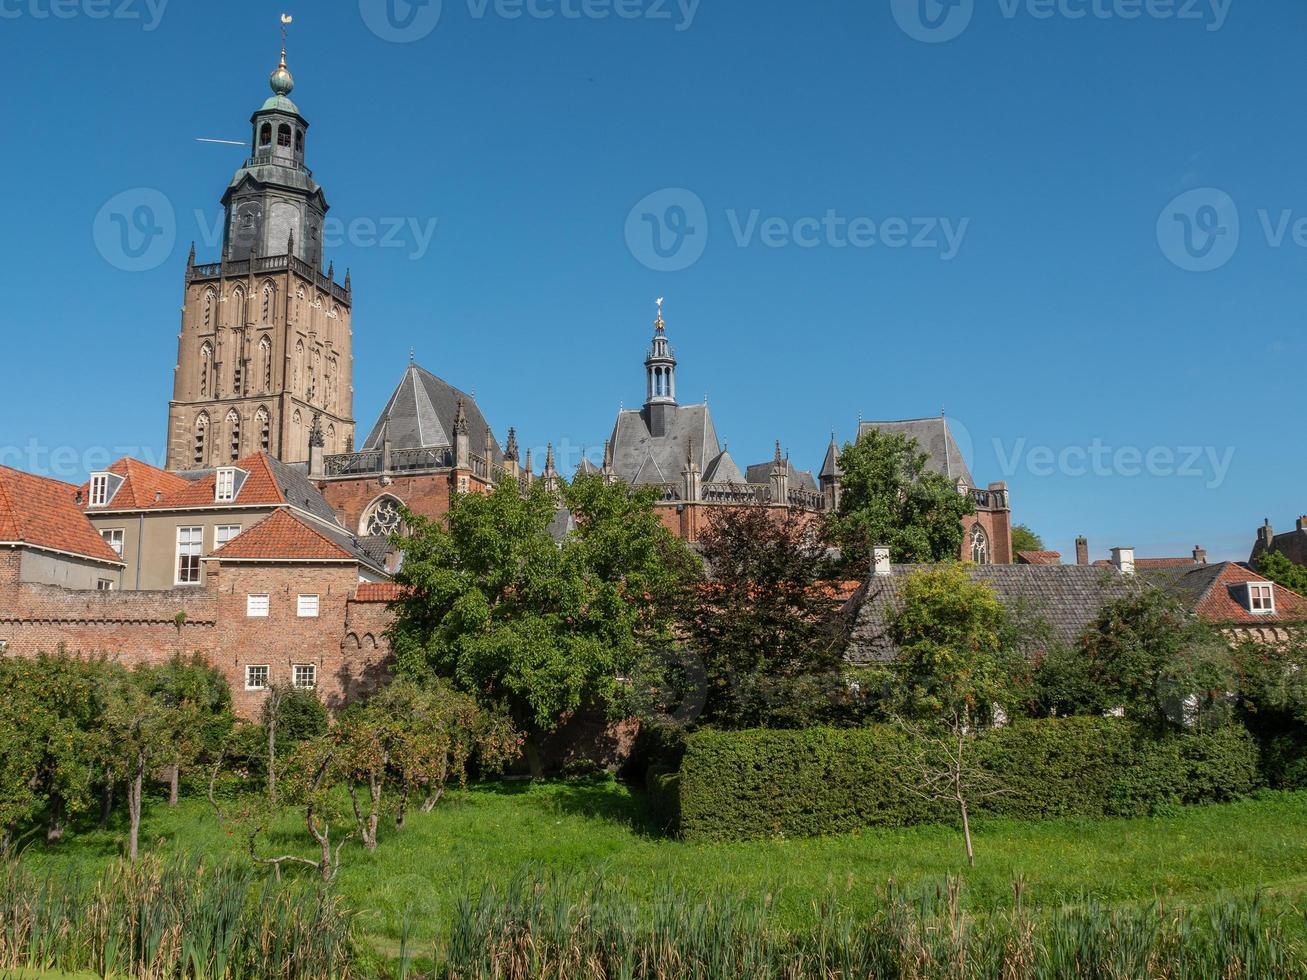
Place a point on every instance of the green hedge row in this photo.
(739, 785)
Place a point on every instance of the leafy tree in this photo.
(1024, 539)
(889, 497)
(1146, 656)
(290, 715)
(201, 700)
(953, 671)
(21, 712)
(1280, 570)
(495, 605)
(762, 625)
(313, 778)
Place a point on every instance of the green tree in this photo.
(201, 700)
(495, 605)
(762, 625)
(21, 714)
(954, 671)
(289, 715)
(1024, 539)
(1280, 570)
(889, 497)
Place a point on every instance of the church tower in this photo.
(660, 376)
(265, 344)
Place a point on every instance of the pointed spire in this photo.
(460, 419)
(528, 463)
(490, 444)
(510, 447)
(549, 458)
(190, 260)
(331, 270)
(348, 287)
(290, 243)
(777, 457)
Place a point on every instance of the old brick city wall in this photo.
(345, 643)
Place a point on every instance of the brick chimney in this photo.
(1200, 556)
(1082, 550)
(1123, 560)
(880, 563)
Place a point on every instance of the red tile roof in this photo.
(43, 513)
(1039, 557)
(283, 536)
(1221, 602)
(379, 592)
(1155, 563)
(259, 487)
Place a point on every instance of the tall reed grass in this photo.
(181, 919)
(528, 932)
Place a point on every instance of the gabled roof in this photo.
(799, 479)
(420, 415)
(43, 513)
(640, 457)
(1039, 557)
(933, 438)
(285, 536)
(830, 466)
(722, 469)
(586, 468)
(142, 483)
(1066, 598)
(1212, 592)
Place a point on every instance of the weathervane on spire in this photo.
(658, 324)
(281, 80)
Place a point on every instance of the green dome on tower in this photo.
(282, 83)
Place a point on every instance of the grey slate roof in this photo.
(354, 545)
(299, 491)
(640, 458)
(830, 466)
(421, 412)
(1066, 598)
(722, 469)
(934, 438)
(1188, 583)
(586, 468)
(799, 479)
(562, 525)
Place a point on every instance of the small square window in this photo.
(114, 539)
(256, 677)
(305, 676)
(308, 607)
(256, 605)
(104, 585)
(224, 533)
(1261, 597)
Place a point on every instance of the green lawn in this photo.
(490, 832)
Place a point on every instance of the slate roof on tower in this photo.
(421, 412)
(934, 438)
(642, 458)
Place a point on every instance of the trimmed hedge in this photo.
(738, 785)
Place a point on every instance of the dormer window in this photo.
(228, 485)
(1261, 598)
(103, 487)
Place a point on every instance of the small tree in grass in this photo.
(313, 778)
(290, 715)
(953, 673)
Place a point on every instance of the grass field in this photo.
(598, 830)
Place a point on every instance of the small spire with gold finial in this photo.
(281, 80)
(659, 326)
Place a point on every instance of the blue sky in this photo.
(1073, 234)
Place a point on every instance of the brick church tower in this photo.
(265, 344)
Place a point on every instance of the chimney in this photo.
(1123, 560)
(1200, 556)
(880, 563)
(1302, 523)
(1082, 550)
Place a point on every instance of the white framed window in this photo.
(190, 543)
(99, 489)
(1261, 598)
(104, 585)
(113, 537)
(256, 677)
(305, 676)
(226, 486)
(307, 607)
(224, 533)
(256, 605)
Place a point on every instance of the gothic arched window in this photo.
(238, 307)
(264, 426)
(206, 362)
(267, 302)
(299, 363)
(234, 433)
(265, 363)
(201, 439)
(331, 438)
(297, 432)
(209, 300)
(382, 517)
(979, 545)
